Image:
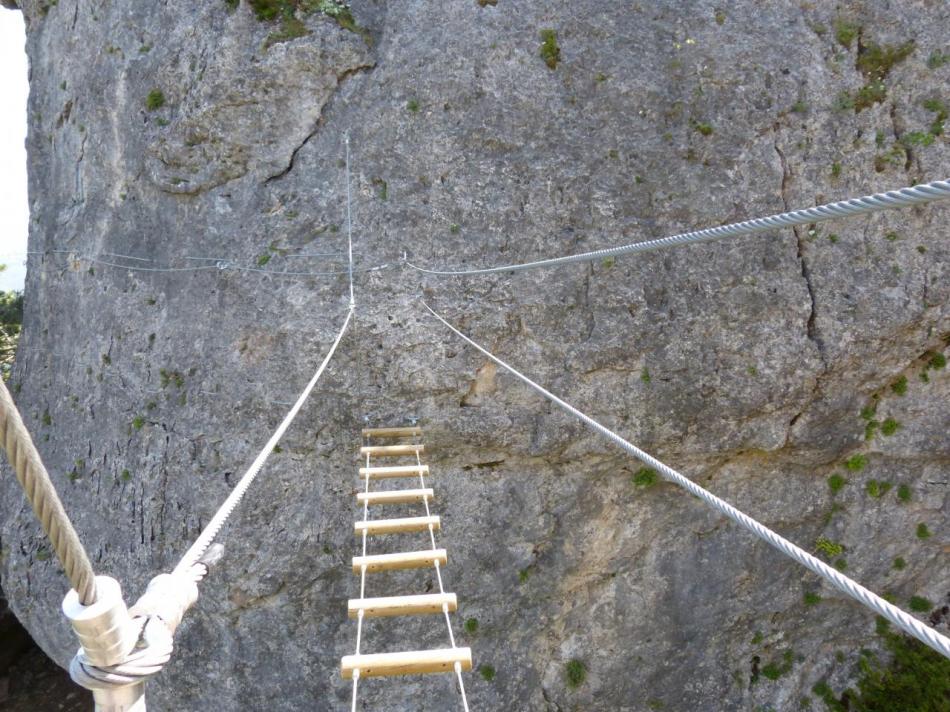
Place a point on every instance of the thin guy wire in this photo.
(227, 507)
(904, 197)
(39, 489)
(349, 220)
(895, 615)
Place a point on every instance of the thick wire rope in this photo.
(210, 531)
(39, 490)
(904, 197)
(895, 615)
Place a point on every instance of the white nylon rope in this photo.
(438, 574)
(359, 613)
(895, 615)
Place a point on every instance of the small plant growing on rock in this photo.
(877, 489)
(836, 482)
(856, 463)
(900, 386)
(899, 563)
(645, 477)
(575, 673)
(413, 106)
(828, 547)
(890, 426)
(923, 531)
(550, 50)
(919, 604)
(471, 625)
(155, 100)
(811, 598)
(904, 493)
(487, 672)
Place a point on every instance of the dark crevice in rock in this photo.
(810, 326)
(341, 78)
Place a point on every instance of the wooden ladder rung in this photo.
(396, 526)
(401, 560)
(374, 473)
(392, 450)
(391, 432)
(408, 663)
(396, 496)
(402, 605)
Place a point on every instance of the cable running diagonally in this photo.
(895, 615)
(227, 507)
(916, 195)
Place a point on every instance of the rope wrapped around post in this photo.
(155, 617)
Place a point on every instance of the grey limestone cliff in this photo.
(760, 366)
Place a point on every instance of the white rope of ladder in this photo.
(895, 615)
(438, 574)
(904, 197)
(360, 612)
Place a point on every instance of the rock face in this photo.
(164, 132)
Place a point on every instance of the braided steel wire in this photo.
(895, 615)
(902, 198)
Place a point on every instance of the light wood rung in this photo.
(402, 605)
(391, 432)
(408, 663)
(401, 560)
(374, 473)
(392, 450)
(396, 526)
(396, 496)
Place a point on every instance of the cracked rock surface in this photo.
(758, 366)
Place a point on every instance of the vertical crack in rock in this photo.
(811, 328)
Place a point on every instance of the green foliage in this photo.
(877, 489)
(487, 672)
(811, 598)
(11, 320)
(608, 262)
(42, 554)
(137, 422)
(917, 138)
(876, 61)
(263, 259)
(904, 493)
(575, 672)
(845, 32)
(720, 16)
(166, 377)
(836, 482)
(413, 106)
(856, 463)
(874, 92)
(758, 637)
(774, 670)
(890, 426)
(125, 476)
(800, 107)
(550, 50)
(836, 170)
(455, 229)
(919, 604)
(524, 575)
(923, 531)
(917, 679)
(937, 59)
(941, 111)
(645, 375)
(645, 477)
(900, 386)
(471, 625)
(868, 411)
(47, 419)
(828, 547)
(937, 360)
(899, 563)
(702, 127)
(155, 100)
